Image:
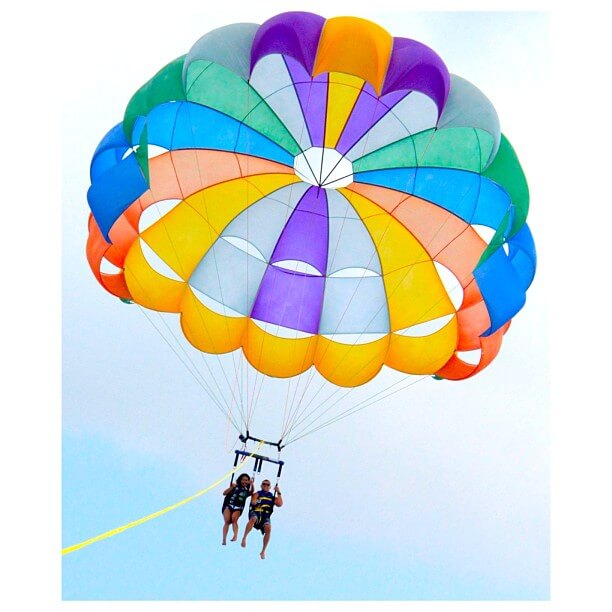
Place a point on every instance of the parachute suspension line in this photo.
(318, 406)
(317, 409)
(354, 409)
(255, 396)
(262, 382)
(322, 385)
(290, 405)
(195, 373)
(177, 343)
(228, 445)
(236, 391)
(320, 413)
(244, 378)
(296, 413)
(364, 144)
(231, 387)
(117, 530)
(190, 366)
(233, 471)
(372, 399)
(305, 429)
(408, 268)
(246, 288)
(287, 407)
(248, 396)
(237, 386)
(204, 361)
(299, 417)
(256, 393)
(294, 410)
(308, 377)
(245, 454)
(261, 379)
(302, 417)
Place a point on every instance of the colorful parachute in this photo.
(316, 192)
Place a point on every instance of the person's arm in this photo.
(230, 488)
(254, 498)
(251, 487)
(278, 498)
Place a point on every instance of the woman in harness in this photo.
(233, 504)
(262, 506)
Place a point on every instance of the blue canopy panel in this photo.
(115, 181)
(522, 253)
(109, 152)
(186, 125)
(473, 198)
(503, 279)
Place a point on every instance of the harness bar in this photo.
(259, 459)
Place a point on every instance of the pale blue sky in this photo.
(440, 492)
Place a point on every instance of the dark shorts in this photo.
(261, 520)
(232, 508)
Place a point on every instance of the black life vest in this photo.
(236, 497)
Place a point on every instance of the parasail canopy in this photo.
(316, 192)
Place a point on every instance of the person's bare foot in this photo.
(262, 554)
(243, 543)
(234, 539)
(223, 543)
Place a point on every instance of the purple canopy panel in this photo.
(368, 110)
(295, 34)
(312, 94)
(414, 66)
(305, 236)
(293, 299)
(289, 299)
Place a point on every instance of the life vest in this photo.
(264, 504)
(236, 497)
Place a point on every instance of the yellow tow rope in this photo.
(144, 519)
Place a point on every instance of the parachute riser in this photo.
(259, 459)
(234, 472)
(248, 437)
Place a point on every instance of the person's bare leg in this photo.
(247, 530)
(266, 539)
(226, 524)
(235, 517)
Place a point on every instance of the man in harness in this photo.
(262, 506)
